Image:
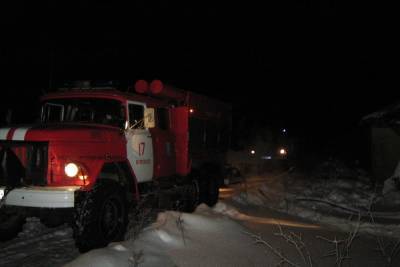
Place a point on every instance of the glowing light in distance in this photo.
(282, 151)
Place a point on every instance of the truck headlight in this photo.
(71, 169)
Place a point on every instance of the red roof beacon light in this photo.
(141, 86)
(156, 86)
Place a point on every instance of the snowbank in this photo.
(204, 238)
(336, 200)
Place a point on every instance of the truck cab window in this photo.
(53, 112)
(83, 110)
(136, 113)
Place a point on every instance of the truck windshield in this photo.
(86, 110)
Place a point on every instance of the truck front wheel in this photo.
(100, 216)
(10, 224)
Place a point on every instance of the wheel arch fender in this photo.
(121, 173)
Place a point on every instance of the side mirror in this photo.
(149, 121)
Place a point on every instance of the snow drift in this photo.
(203, 238)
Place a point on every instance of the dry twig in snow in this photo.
(297, 242)
(136, 259)
(259, 240)
(388, 251)
(181, 228)
(342, 246)
(139, 218)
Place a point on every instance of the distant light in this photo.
(252, 152)
(284, 130)
(282, 151)
(266, 157)
(191, 110)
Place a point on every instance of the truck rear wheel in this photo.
(213, 192)
(209, 191)
(100, 216)
(191, 196)
(10, 224)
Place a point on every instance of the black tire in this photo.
(209, 190)
(191, 196)
(100, 216)
(10, 224)
(213, 192)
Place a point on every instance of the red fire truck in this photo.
(97, 151)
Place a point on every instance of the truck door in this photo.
(164, 144)
(139, 143)
(180, 128)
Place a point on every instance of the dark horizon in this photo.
(314, 66)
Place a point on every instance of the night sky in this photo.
(313, 66)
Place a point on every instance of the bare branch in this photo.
(181, 228)
(297, 242)
(139, 217)
(259, 240)
(136, 259)
(342, 247)
(395, 250)
(381, 245)
(350, 210)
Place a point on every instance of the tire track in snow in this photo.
(38, 245)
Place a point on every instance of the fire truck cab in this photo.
(97, 151)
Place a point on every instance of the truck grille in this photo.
(23, 163)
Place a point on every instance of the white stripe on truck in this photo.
(4, 133)
(19, 134)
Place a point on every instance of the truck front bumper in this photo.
(41, 197)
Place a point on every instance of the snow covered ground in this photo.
(207, 237)
(204, 238)
(213, 237)
(219, 236)
(331, 196)
(38, 246)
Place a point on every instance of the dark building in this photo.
(384, 132)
